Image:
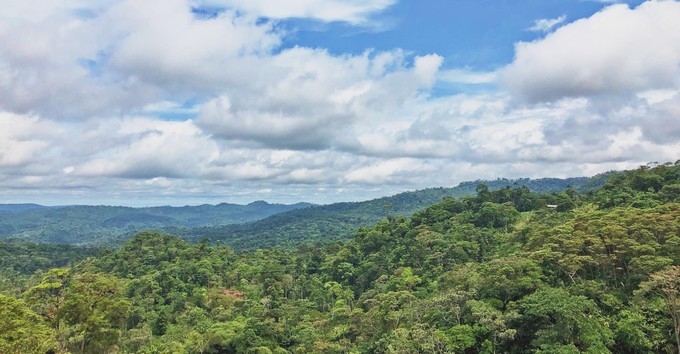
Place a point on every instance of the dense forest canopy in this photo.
(495, 272)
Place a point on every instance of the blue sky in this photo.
(208, 101)
(467, 33)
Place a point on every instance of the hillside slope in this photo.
(256, 225)
(496, 272)
(113, 224)
(337, 221)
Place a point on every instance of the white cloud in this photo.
(163, 43)
(388, 171)
(618, 51)
(153, 149)
(611, 82)
(547, 24)
(23, 139)
(150, 57)
(139, 157)
(83, 86)
(316, 97)
(661, 123)
(121, 56)
(352, 11)
(466, 76)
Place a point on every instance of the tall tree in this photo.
(21, 330)
(94, 312)
(666, 283)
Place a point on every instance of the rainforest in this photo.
(340, 176)
(502, 270)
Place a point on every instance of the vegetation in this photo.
(256, 225)
(496, 272)
(19, 262)
(339, 221)
(108, 225)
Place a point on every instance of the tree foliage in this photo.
(493, 272)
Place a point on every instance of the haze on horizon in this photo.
(184, 102)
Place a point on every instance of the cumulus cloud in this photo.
(492, 129)
(311, 103)
(143, 157)
(388, 171)
(661, 123)
(547, 24)
(156, 99)
(616, 52)
(153, 149)
(127, 56)
(23, 139)
(610, 82)
(79, 60)
(163, 43)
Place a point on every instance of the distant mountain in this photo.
(256, 225)
(325, 223)
(113, 224)
(13, 208)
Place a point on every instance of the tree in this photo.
(509, 278)
(632, 333)
(21, 330)
(666, 283)
(496, 215)
(493, 321)
(47, 297)
(560, 320)
(94, 312)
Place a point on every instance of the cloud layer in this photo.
(178, 101)
(618, 51)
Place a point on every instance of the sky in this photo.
(184, 102)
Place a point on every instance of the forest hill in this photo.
(494, 272)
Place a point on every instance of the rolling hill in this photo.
(255, 225)
(324, 223)
(102, 225)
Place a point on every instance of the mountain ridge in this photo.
(329, 222)
(99, 224)
(254, 225)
